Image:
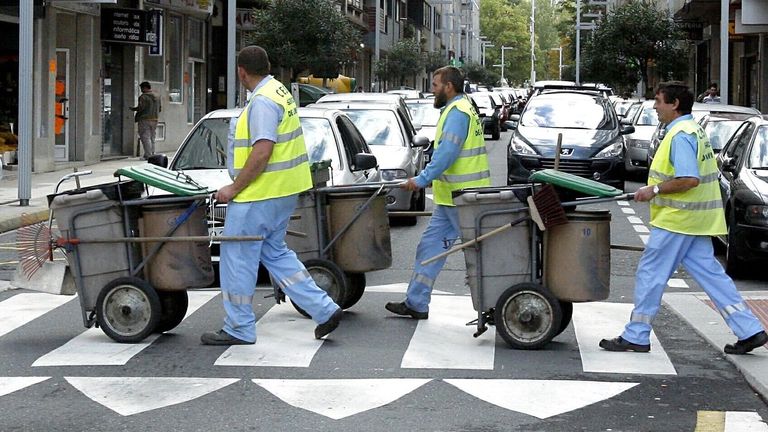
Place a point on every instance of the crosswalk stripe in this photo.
(744, 421)
(93, 348)
(11, 384)
(25, 307)
(396, 288)
(445, 342)
(627, 210)
(595, 321)
(284, 339)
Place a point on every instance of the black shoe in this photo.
(402, 309)
(744, 346)
(330, 325)
(620, 344)
(221, 338)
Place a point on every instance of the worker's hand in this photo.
(409, 185)
(645, 193)
(225, 194)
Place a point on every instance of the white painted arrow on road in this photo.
(132, 395)
(12, 384)
(540, 398)
(339, 398)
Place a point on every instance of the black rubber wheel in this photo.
(173, 308)
(496, 134)
(421, 203)
(733, 265)
(355, 289)
(527, 316)
(567, 309)
(128, 309)
(329, 277)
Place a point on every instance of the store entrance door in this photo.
(61, 114)
(112, 100)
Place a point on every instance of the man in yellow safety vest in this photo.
(686, 210)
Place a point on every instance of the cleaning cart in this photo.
(528, 260)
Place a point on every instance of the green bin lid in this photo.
(573, 182)
(175, 182)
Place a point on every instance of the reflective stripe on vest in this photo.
(699, 210)
(287, 171)
(470, 169)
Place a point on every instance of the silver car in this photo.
(424, 113)
(645, 120)
(399, 151)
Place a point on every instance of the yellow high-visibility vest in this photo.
(470, 169)
(699, 210)
(287, 172)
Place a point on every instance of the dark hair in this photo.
(677, 90)
(254, 60)
(453, 75)
(145, 85)
(712, 84)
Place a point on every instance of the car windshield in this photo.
(379, 127)
(566, 111)
(482, 101)
(206, 147)
(648, 117)
(719, 132)
(424, 114)
(622, 106)
(758, 159)
(320, 141)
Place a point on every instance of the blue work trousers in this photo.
(442, 232)
(663, 253)
(240, 263)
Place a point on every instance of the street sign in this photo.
(129, 26)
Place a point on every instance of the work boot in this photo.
(744, 346)
(621, 344)
(403, 309)
(330, 325)
(221, 338)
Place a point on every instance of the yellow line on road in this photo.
(710, 421)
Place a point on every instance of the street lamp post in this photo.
(484, 46)
(503, 80)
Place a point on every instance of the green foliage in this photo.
(633, 39)
(305, 36)
(404, 59)
(434, 60)
(476, 73)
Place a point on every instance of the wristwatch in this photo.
(656, 189)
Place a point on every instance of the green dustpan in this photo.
(575, 183)
(175, 182)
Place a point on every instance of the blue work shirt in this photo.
(683, 153)
(264, 116)
(455, 130)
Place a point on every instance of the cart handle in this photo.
(75, 174)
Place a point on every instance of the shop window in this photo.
(175, 62)
(195, 39)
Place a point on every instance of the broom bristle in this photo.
(548, 206)
(33, 242)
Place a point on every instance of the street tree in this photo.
(305, 36)
(506, 25)
(633, 42)
(404, 59)
(476, 73)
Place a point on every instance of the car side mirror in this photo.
(515, 118)
(365, 161)
(729, 165)
(416, 126)
(420, 141)
(626, 129)
(510, 124)
(160, 160)
(624, 120)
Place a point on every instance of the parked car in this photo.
(490, 113)
(645, 121)
(424, 113)
(699, 110)
(743, 164)
(309, 94)
(408, 94)
(399, 151)
(721, 126)
(623, 105)
(373, 98)
(592, 138)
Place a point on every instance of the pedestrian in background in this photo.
(269, 166)
(686, 210)
(146, 115)
(459, 161)
(711, 89)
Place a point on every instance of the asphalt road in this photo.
(376, 372)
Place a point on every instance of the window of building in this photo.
(438, 21)
(427, 14)
(175, 62)
(356, 3)
(196, 38)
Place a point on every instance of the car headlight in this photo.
(636, 143)
(757, 215)
(517, 146)
(393, 174)
(613, 150)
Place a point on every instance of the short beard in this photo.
(440, 100)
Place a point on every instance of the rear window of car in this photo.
(320, 141)
(758, 159)
(206, 147)
(648, 117)
(424, 114)
(482, 100)
(567, 111)
(379, 127)
(719, 132)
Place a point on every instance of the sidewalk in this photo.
(12, 215)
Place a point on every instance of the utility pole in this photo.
(533, 42)
(578, 40)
